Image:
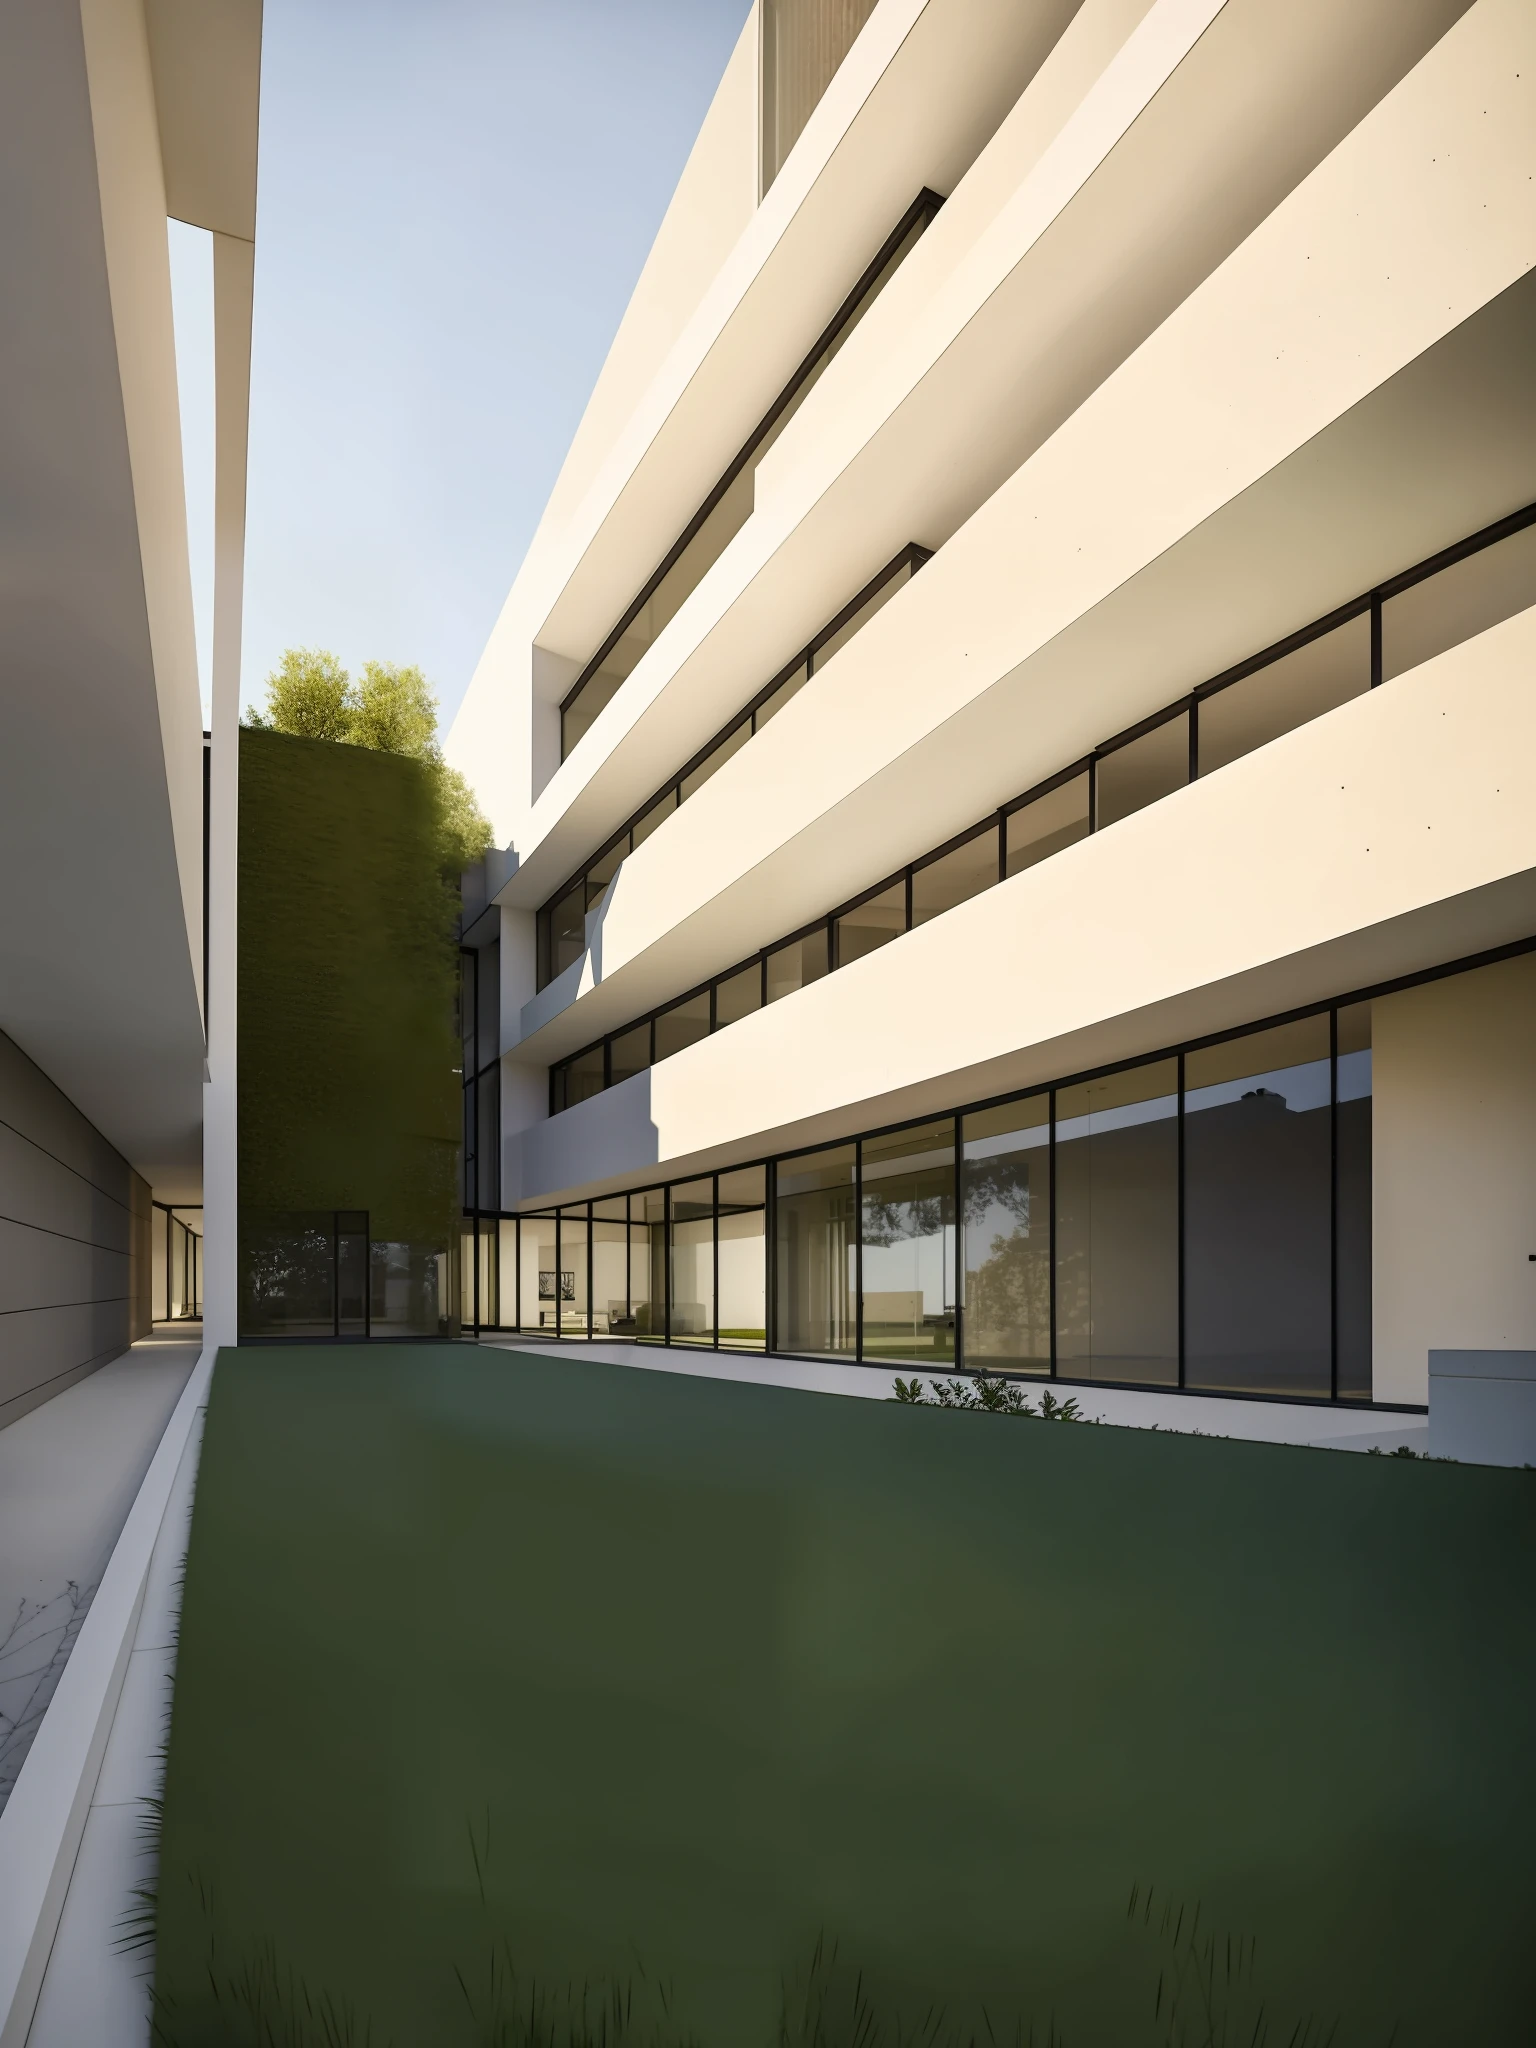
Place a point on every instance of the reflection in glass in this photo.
(507, 1299)
(692, 1310)
(487, 1093)
(908, 1185)
(1117, 1227)
(1258, 1212)
(1005, 1193)
(536, 1283)
(1037, 830)
(739, 995)
(743, 1258)
(610, 1266)
(1298, 687)
(814, 1228)
(961, 873)
(873, 924)
(793, 966)
(647, 1264)
(603, 870)
(1465, 599)
(1143, 770)
(683, 1025)
(629, 1053)
(584, 1076)
(351, 1273)
(1353, 1215)
(568, 929)
(572, 1296)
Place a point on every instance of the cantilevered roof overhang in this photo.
(113, 113)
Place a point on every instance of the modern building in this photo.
(1015, 737)
(116, 986)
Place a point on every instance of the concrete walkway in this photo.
(69, 1472)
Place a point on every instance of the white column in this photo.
(233, 281)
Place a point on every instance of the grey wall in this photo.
(70, 1210)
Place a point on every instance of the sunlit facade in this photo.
(1011, 740)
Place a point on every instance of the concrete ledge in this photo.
(1482, 1406)
(42, 1826)
(1323, 1426)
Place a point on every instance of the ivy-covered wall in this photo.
(349, 1091)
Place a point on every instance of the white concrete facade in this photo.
(1222, 331)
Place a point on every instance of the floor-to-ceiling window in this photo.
(1197, 1220)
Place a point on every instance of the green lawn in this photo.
(698, 1675)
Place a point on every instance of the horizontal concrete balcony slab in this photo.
(1395, 834)
(882, 763)
(1003, 322)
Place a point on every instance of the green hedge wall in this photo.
(700, 1677)
(349, 1095)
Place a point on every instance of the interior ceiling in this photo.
(96, 982)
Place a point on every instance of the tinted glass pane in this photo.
(1117, 1227)
(964, 871)
(815, 1232)
(610, 1268)
(793, 966)
(571, 1299)
(603, 870)
(658, 814)
(599, 690)
(693, 1263)
(559, 1089)
(1258, 1213)
(1298, 687)
(746, 1188)
(568, 928)
(731, 744)
(536, 1285)
(824, 650)
(743, 1276)
(1354, 1203)
(1006, 1197)
(488, 1005)
(909, 1287)
(648, 1265)
(629, 1053)
(468, 967)
(1139, 773)
(790, 687)
(488, 1146)
(584, 1076)
(1465, 599)
(739, 996)
(684, 1024)
(1039, 829)
(872, 924)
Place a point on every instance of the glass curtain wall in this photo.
(1117, 1227)
(741, 1267)
(909, 1291)
(1258, 1203)
(816, 1251)
(1199, 1220)
(1005, 1196)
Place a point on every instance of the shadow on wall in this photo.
(522, 1698)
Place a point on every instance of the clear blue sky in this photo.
(456, 197)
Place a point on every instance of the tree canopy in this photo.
(387, 709)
